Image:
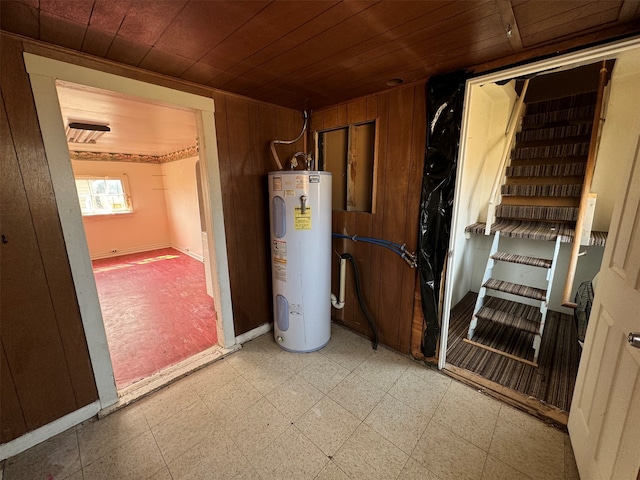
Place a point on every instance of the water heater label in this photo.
(280, 271)
(277, 184)
(302, 221)
(279, 252)
(301, 182)
(314, 178)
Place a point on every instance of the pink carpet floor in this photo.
(156, 311)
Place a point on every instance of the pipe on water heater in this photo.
(273, 143)
(338, 303)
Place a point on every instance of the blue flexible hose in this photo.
(396, 248)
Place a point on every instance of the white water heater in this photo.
(300, 219)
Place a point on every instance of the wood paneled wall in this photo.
(46, 372)
(387, 282)
(45, 368)
(245, 128)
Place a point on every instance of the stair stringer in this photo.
(482, 293)
(488, 282)
(544, 305)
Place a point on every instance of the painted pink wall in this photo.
(146, 228)
(181, 197)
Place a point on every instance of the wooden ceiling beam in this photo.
(510, 25)
(628, 11)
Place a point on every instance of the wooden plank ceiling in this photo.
(310, 54)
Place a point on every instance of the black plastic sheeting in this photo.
(445, 99)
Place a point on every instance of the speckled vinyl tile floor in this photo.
(344, 412)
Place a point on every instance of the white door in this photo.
(604, 422)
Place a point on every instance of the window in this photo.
(348, 153)
(100, 196)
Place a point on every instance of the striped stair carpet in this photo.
(522, 259)
(558, 118)
(565, 108)
(552, 151)
(555, 132)
(570, 190)
(513, 314)
(554, 379)
(515, 289)
(536, 231)
(548, 161)
(553, 170)
(540, 213)
(569, 149)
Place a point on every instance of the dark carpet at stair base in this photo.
(554, 379)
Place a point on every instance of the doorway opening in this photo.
(45, 76)
(138, 193)
(540, 381)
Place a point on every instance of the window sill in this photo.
(106, 215)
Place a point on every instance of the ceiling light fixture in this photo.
(78, 132)
(394, 82)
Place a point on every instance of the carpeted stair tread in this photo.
(536, 121)
(544, 142)
(552, 382)
(536, 231)
(545, 190)
(539, 213)
(561, 150)
(522, 259)
(552, 170)
(513, 314)
(563, 103)
(546, 161)
(553, 132)
(515, 289)
(573, 108)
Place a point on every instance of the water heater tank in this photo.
(300, 219)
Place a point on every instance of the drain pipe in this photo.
(338, 303)
(273, 143)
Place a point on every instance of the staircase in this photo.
(513, 314)
(540, 199)
(543, 183)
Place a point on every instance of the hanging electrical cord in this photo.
(396, 248)
(363, 306)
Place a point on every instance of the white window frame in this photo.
(105, 211)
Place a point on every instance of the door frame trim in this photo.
(43, 73)
(571, 60)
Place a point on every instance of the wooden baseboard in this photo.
(533, 406)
